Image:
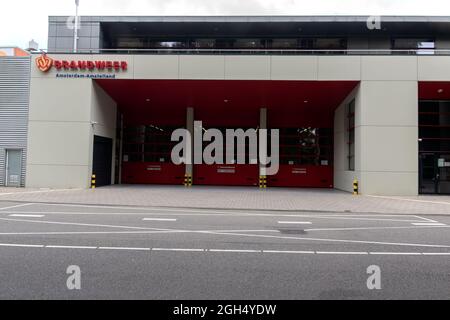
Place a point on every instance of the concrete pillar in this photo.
(190, 128)
(387, 137)
(262, 125)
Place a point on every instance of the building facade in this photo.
(354, 98)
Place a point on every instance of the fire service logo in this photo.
(44, 63)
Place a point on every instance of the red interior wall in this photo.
(152, 173)
(226, 175)
(304, 176)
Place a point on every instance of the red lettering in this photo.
(100, 65)
(58, 64)
(82, 65)
(90, 65)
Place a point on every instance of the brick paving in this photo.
(235, 198)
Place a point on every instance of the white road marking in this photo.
(431, 224)
(294, 222)
(124, 248)
(235, 250)
(27, 215)
(231, 212)
(243, 234)
(290, 252)
(16, 245)
(118, 232)
(318, 216)
(16, 206)
(425, 219)
(178, 249)
(330, 240)
(71, 247)
(38, 191)
(341, 252)
(21, 245)
(397, 253)
(376, 228)
(158, 219)
(86, 224)
(436, 253)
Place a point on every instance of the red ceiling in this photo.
(432, 90)
(285, 101)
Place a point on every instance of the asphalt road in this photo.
(164, 253)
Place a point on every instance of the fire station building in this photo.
(351, 100)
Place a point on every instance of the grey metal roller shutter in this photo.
(14, 102)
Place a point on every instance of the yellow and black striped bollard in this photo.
(93, 181)
(188, 180)
(355, 187)
(262, 182)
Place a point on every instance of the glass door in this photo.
(13, 167)
(434, 173)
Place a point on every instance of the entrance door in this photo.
(434, 173)
(102, 162)
(13, 167)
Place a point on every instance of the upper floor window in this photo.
(419, 46)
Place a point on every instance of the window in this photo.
(420, 46)
(151, 143)
(248, 44)
(351, 135)
(284, 43)
(306, 146)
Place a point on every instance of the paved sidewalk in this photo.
(234, 198)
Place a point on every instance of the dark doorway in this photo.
(102, 162)
(434, 147)
(434, 173)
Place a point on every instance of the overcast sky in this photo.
(23, 20)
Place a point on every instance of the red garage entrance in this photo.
(303, 111)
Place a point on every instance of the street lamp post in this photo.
(75, 36)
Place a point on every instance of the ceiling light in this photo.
(440, 90)
(226, 100)
(148, 100)
(306, 101)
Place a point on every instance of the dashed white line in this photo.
(396, 253)
(294, 222)
(226, 250)
(26, 215)
(429, 224)
(235, 250)
(341, 252)
(21, 245)
(71, 247)
(159, 219)
(124, 248)
(178, 249)
(289, 252)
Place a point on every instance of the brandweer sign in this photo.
(45, 63)
(91, 65)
